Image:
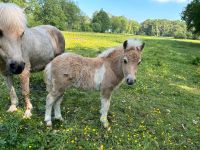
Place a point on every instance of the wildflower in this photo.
(101, 147)
(72, 141)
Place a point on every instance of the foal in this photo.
(102, 73)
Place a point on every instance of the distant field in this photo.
(162, 111)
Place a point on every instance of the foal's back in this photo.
(69, 70)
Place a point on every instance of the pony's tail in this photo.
(48, 77)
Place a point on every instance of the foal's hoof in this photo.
(59, 118)
(105, 122)
(49, 123)
(27, 114)
(12, 108)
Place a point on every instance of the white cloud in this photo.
(176, 1)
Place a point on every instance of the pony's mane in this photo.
(12, 18)
(107, 52)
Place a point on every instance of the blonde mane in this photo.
(12, 18)
(107, 52)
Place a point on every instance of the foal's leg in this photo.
(57, 111)
(50, 100)
(52, 97)
(13, 96)
(24, 77)
(105, 104)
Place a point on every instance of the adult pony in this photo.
(24, 50)
(102, 73)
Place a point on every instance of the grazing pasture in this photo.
(161, 111)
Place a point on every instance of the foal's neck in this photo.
(115, 61)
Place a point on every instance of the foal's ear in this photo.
(140, 48)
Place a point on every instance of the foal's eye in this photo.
(139, 62)
(22, 34)
(1, 33)
(125, 60)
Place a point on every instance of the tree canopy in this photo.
(191, 15)
(66, 15)
(100, 21)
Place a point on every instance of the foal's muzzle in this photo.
(130, 81)
(16, 67)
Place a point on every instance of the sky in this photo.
(138, 10)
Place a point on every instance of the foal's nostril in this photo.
(130, 81)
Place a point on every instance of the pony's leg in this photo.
(13, 95)
(50, 100)
(105, 105)
(24, 78)
(57, 111)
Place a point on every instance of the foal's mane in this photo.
(109, 52)
(12, 17)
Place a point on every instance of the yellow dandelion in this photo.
(72, 141)
(101, 147)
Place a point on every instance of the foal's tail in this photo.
(48, 77)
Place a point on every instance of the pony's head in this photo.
(12, 27)
(131, 59)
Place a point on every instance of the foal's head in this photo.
(12, 26)
(131, 59)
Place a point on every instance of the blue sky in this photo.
(139, 10)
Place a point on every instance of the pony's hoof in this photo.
(27, 114)
(12, 108)
(49, 123)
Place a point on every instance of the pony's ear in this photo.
(140, 48)
(125, 44)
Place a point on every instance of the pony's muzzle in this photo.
(16, 67)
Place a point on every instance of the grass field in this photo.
(162, 111)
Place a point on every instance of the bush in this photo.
(196, 61)
(180, 35)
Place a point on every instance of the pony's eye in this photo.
(139, 62)
(1, 33)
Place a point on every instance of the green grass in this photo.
(162, 111)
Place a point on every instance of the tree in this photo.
(33, 11)
(100, 21)
(191, 15)
(133, 27)
(124, 24)
(21, 3)
(52, 13)
(163, 27)
(115, 24)
(72, 13)
(85, 23)
(96, 27)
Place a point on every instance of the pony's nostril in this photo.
(17, 67)
(22, 64)
(12, 65)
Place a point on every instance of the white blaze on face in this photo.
(98, 76)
